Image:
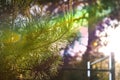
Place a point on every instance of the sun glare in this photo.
(113, 43)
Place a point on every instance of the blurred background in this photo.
(54, 39)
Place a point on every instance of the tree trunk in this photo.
(91, 28)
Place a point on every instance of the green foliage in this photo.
(32, 51)
(109, 3)
(93, 13)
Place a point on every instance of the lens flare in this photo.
(113, 42)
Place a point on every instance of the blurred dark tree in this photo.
(94, 7)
